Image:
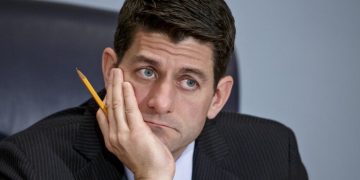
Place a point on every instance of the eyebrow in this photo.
(184, 70)
(196, 72)
(143, 59)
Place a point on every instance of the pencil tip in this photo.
(80, 73)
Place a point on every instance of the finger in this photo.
(104, 102)
(118, 100)
(104, 126)
(108, 100)
(133, 114)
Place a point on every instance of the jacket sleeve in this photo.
(13, 163)
(297, 168)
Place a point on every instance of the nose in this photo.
(162, 97)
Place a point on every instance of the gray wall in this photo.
(299, 65)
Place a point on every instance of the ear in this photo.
(109, 60)
(221, 95)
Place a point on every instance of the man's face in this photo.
(173, 84)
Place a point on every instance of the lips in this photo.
(157, 124)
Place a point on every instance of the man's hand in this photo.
(128, 137)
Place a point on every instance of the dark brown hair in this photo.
(209, 21)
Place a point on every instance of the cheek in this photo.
(140, 89)
(194, 110)
(199, 103)
(193, 120)
(141, 92)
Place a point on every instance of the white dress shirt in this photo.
(184, 165)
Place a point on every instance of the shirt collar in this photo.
(184, 165)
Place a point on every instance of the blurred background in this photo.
(299, 64)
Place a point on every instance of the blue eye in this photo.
(146, 73)
(189, 84)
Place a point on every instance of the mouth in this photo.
(150, 123)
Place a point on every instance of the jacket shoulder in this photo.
(48, 132)
(259, 143)
(46, 148)
(236, 122)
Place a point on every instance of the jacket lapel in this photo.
(89, 143)
(209, 155)
(89, 140)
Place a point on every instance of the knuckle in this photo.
(116, 104)
(130, 109)
(107, 105)
(99, 116)
(108, 145)
(112, 138)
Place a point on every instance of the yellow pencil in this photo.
(92, 90)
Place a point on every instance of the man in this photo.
(165, 88)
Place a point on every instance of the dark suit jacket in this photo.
(69, 145)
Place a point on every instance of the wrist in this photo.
(163, 174)
(155, 177)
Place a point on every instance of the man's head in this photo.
(205, 20)
(174, 53)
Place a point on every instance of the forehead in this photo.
(159, 47)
